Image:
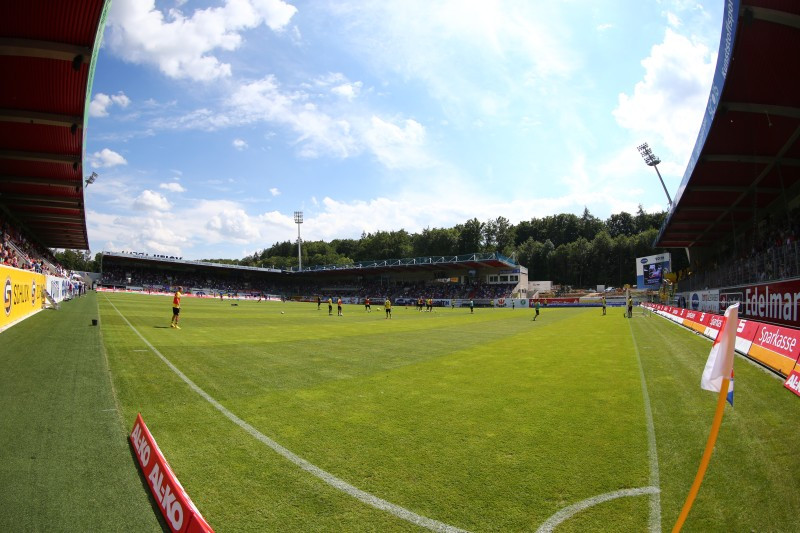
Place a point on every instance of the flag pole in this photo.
(701, 471)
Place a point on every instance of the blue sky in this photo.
(211, 122)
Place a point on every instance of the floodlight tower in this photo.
(652, 160)
(90, 179)
(298, 219)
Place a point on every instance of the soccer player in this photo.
(367, 306)
(339, 306)
(319, 301)
(471, 306)
(330, 306)
(604, 304)
(630, 306)
(536, 309)
(388, 305)
(176, 308)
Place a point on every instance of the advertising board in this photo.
(702, 300)
(178, 510)
(22, 294)
(776, 302)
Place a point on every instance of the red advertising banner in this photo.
(776, 347)
(179, 512)
(777, 302)
(745, 334)
(793, 381)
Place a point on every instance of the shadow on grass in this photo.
(146, 488)
(162, 327)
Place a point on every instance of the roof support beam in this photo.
(44, 119)
(30, 216)
(762, 160)
(722, 188)
(40, 200)
(41, 157)
(772, 15)
(36, 180)
(45, 50)
(771, 110)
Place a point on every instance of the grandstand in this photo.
(482, 277)
(737, 210)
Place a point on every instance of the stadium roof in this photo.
(47, 56)
(435, 263)
(746, 160)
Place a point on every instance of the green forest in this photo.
(581, 251)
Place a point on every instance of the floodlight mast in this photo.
(90, 179)
(652, 160)
(298, 219)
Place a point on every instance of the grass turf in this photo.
(65, 462)
(486, 421)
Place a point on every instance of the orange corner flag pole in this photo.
(701, 471)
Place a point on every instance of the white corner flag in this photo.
(720, 360)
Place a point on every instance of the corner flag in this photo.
(717, 375)
(720, 361)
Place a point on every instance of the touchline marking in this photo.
(327, 477)
(568, 512)
(652, 450)
(653, 490)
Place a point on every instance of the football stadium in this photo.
(443, 392)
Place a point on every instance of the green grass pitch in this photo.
(485, 422)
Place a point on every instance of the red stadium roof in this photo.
(47, 52)
(746, 161)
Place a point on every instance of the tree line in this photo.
(581, 251)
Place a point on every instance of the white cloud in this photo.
(172, 186)
(348, 91)
(397, 146)
(183, 46)
(396, 143)
(151, 201)
(101, 102)
(667, 105)
(274, 191)
(234, 225)
(106, 158)
(239, 144)
(463, 51)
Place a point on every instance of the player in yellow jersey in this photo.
(388, 305)
(176, 308)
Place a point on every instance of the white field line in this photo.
(654, 490)
(327, 477)
(652, 450)
(568, 512)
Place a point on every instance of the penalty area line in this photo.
(324, 475)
